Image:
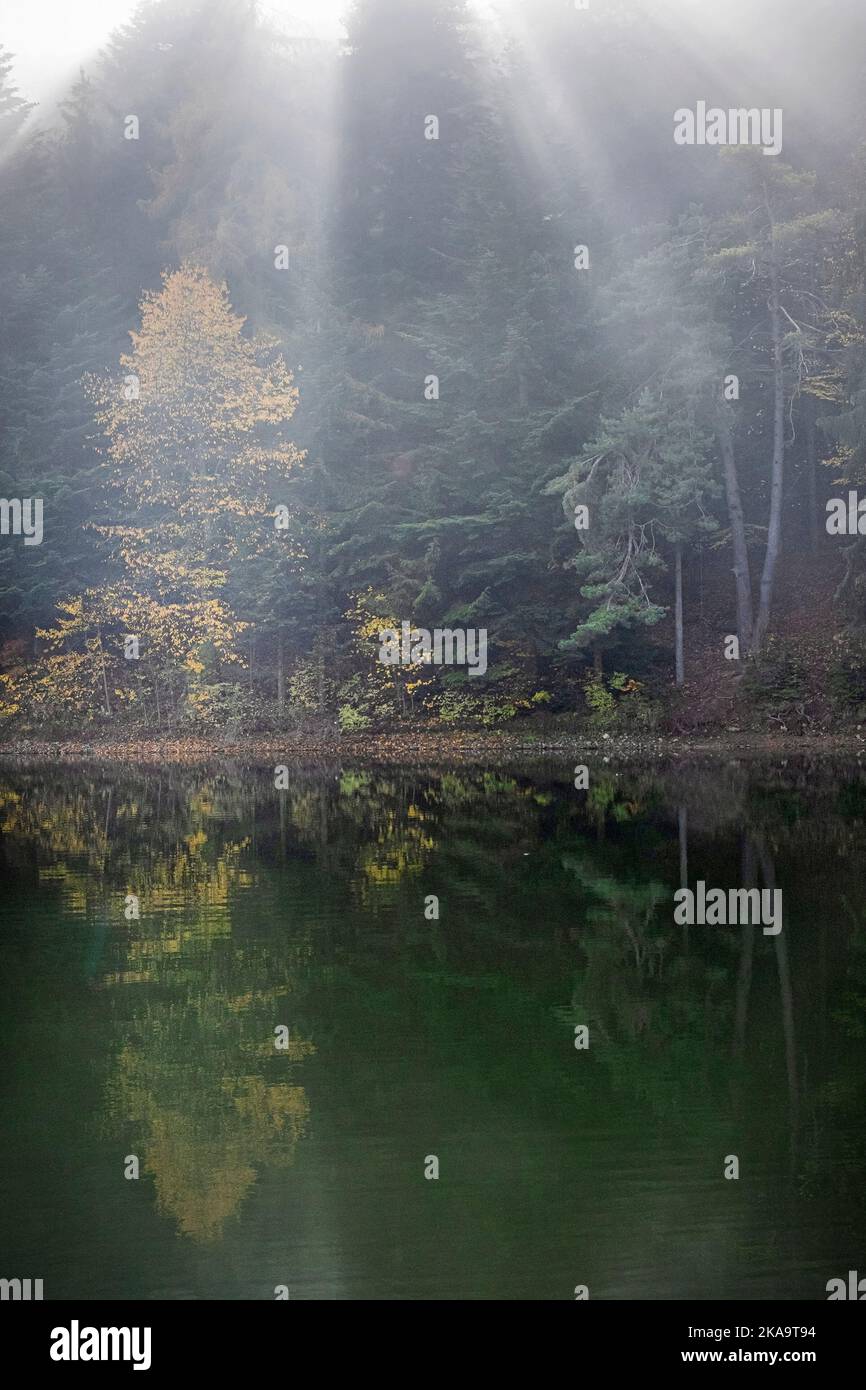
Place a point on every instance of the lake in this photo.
(287, 1009)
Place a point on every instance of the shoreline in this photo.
(419, 748)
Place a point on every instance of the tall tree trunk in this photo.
(678, 610)
(777, 473)
(742, 577)
(812, 480)
(281, 675)
(142, 701)
(104, 676)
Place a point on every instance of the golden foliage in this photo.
(194, 442)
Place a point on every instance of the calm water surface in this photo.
(154, 1035)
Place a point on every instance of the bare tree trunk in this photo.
(281, 676)
(742, 577)
(812, 480)
(104, 677)
(777, 474)
(678, 618)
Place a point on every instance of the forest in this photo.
(458, 323)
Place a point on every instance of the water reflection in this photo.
(178, 919)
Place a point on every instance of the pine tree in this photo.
(643, 479)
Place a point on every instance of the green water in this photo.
(410, 1037)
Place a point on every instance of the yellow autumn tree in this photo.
(194, 444)
(195, 436)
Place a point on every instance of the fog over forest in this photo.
(540, 326)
